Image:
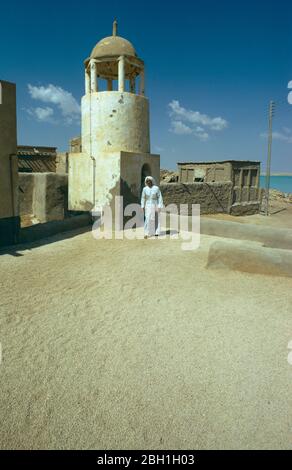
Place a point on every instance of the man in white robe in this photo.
(151, 203)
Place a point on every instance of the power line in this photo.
(268, 170)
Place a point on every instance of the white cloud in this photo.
(185, 121)
(42, 114)
(157, 148)
(178, 127)
(284, 136)
(64, 100)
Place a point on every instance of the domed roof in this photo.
(112, 46)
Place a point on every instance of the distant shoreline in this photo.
(277, 174)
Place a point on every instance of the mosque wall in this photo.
(134, 168)
(95, 182)
(120, 122)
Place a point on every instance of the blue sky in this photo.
(212, 68)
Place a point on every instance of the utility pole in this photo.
(268, 169)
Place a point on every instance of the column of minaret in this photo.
(91, 82)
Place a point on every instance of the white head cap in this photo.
(150, 178)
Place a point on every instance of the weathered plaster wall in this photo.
(108, 172)
(26, 193)
(93, 180)
(62, 162)
(75, 145)
(132, 180)
(119, 122)
(116, 173)
(212, 172)
(246, 194)
(43, 195)
(9, 221)
(115, 145)
(213, 197)
(8, 147)
(50, 196)
(80, 180)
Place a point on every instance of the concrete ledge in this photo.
(251, 258)
(245, 208)
(36, 232)
(268, 236)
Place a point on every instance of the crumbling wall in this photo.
(43, 195)
(133, 166)
(75, 145)
(62, 162)
(213, 197)
(26, 193)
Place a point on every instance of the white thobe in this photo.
(151, 201)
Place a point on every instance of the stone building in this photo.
(244, 176)
(227, 170)
(230, 186)
(115, 138)
(9, 218)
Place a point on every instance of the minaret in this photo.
(115, 121)
(116, 117)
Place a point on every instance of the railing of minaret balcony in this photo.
(92, 75)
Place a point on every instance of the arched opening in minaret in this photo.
(145, 171)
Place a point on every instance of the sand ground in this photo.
(280, 216)
(135, 344)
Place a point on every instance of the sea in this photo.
(282, 183)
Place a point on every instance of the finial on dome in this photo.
(115, 27)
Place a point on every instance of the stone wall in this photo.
(210, 172)
(134, 168)
(43, 195)
(9, 220)
(26, 193)
(62, 162)
(213, 197)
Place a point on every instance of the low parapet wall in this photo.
(43, 195)
(213, 197)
